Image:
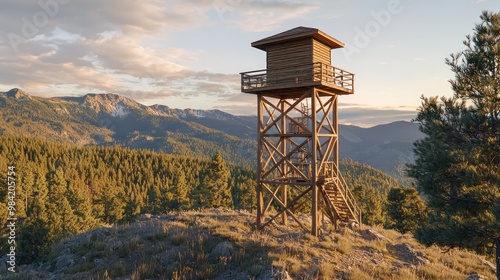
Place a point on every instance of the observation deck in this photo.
(326, 77)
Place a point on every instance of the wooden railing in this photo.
(349, 198)
(295, 76)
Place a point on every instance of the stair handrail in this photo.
(349, 197)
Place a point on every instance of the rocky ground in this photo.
(223, 244)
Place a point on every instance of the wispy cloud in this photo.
(115, 46)
(261, 15)
(366, 116)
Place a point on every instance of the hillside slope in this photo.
(222, 244)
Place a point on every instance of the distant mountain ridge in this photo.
(110, 119)
(388, 147)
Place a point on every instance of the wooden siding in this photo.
(299, 52)
(321, 53)
(290, 54)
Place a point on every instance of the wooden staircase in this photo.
(340, 203)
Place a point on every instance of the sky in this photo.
(189, 53)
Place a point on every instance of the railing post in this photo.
(352, 82)
(342, 78)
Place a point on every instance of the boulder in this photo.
(370, 234)
(407, 254)
(144, 217)
(223, 249)
(475, 276)
(64, 261)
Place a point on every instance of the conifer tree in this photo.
(371, 203)
(34, 235)
(27, 182)
(405, 209)
(180, 194)
(4, 213)
(61, 216)
(154, 200)
(113, 204)
(244, 193)
(458, 161)
(214, 190)
(81, 204)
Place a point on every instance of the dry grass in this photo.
(179, 246)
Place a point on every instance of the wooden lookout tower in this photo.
(297, 97)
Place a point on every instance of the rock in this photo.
(370, 234)
(352, 225)
(113, 243)
(407, 254)
(475, 276)
(144, 217)
(66, 251)
(99, 234)
(274, 274)
(64, 261)
(161, 217)
(97, 262)
(223, 249)
(233, 275)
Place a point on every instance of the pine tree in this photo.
(81, 204)
(244, 193)
(154, 200)
(63, 221)
(214, 190)
(112, 203)
(28, 182)
(180, 194)
(34, 234)
(405, 209)
(371, 202)
(458, 161)
(4, 214)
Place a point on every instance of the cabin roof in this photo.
(296, 33)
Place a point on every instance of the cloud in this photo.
(92, 45)
(239, 104)
(145, 95)
(60, 47)
(366, 116)
(123, 55)
(262, 15)
(38, 71)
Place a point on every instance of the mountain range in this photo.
(110, 119)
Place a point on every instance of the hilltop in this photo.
(223, 244)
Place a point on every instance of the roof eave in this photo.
(316, 34)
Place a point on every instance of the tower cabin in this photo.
(296, 59)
